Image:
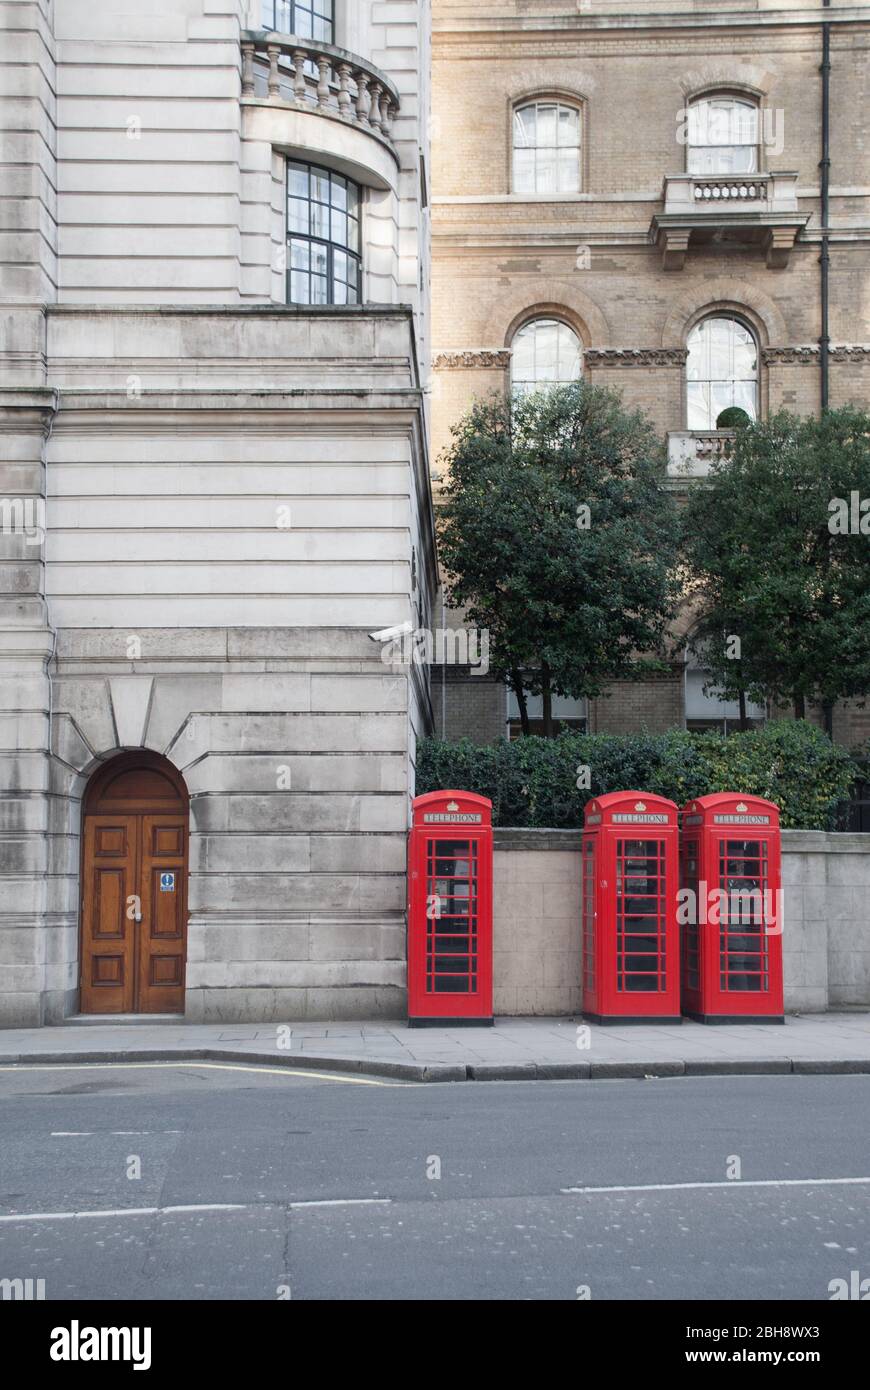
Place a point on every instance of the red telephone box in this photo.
(631, 971)
(450, 910)
(731, 910)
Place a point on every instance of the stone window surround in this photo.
(741, 318)
(739, 93)
(358, 257)
(574, 103)
(515, 102)
(539, 316)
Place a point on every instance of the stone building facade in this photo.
(215, 485)
(633, 192)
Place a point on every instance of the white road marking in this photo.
(345, 1202)
(202, 1066)
(10, 1218)
(119, 1211)
(695, 1186)
(117, 1133)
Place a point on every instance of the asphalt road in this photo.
(202, 1181)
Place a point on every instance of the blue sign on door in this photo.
(167, 883)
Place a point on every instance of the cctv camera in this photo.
(390, 634)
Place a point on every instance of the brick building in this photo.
(632, 192)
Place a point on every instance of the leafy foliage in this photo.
(533, 781)
(770, 569)
(558, 537)
(731, 418)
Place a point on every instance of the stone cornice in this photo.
(857, 353)
(799, 355)
(27, 407)
(472, 358)
(458, 26)
(241, 311)
(635, 357)
(808, 355)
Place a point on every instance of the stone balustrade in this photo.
(303, 74)
(716, 194)
(745, 190)
(714, 444)
(691, 452)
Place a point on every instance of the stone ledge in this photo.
(523, 837)
(793, 841)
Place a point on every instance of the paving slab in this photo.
(514, 1049)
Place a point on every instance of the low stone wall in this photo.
(537, 945)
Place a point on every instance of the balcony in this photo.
(753, 209)
(692, 452)
(307, 96)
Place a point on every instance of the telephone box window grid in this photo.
(451, 935)
(324, 265)
(640, 908)
(743, 955)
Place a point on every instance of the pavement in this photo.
(515, 1049)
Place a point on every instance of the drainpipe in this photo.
(825, 167)
(443, 680)
(825, 260)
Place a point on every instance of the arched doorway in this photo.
(134, 888)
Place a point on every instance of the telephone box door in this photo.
(450, 910)
(630, 939)
(731, 869)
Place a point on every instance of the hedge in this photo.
(533, 781)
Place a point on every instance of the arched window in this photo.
(723, 136)
(721, 371)
(307, 19)
(324, 264)
(546, 353)
(546, 148)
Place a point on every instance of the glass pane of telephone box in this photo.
(451, 944)
(743, 953)
(640, 942)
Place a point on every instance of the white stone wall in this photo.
(234, 494)
(166, 190)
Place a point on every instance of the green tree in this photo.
(779, 548)
(558, 537)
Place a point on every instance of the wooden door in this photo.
(134, 890)
(109, 936)
(160, 974)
